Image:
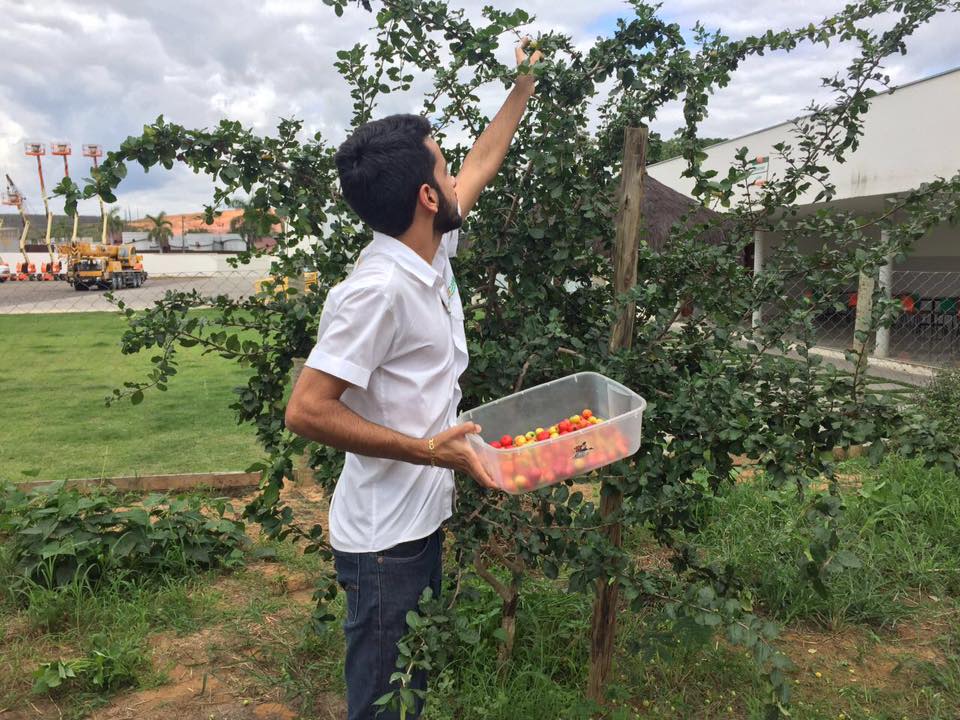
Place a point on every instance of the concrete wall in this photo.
(910, 137)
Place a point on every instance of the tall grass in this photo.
(903, 524)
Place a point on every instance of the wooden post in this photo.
(301, 464)
(603, 628)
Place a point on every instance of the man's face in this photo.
(448, 214)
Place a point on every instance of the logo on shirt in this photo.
(451, 288)
(581, 450)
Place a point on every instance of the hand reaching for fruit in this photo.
(452, 450)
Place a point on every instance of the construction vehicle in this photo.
(94, 152)
(25, 270)
(107, 267)
(37, 150)
(272, 285)
(63, 149)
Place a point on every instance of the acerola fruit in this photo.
(519, 440)
(497, 445)
(574, 419)
(531, 435)
(587, 414)
(506, 441)
(543, 435)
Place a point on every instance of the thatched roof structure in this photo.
(663, 206)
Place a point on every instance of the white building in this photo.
(910, 136)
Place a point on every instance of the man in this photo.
(382, 381)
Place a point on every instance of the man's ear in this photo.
(429, 198)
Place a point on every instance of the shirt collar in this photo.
(404, 256)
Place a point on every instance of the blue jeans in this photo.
(380, 589)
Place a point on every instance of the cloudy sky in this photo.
(95, 71)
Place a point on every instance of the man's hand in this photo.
(521, 52)
(453, 451)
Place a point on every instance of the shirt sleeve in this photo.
(355, 335)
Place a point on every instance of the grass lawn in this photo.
(56, 372)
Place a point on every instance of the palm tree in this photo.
(253, 224)
(115, 223)
(162, 230)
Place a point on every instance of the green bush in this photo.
(108, 667)
(898, 531)
(55, 536)
(940, 400)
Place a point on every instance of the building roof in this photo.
(909, 138)
(191, 222)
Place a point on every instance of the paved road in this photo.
(17, 298)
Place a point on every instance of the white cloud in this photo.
(98, 70)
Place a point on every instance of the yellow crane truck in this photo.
(108, 267)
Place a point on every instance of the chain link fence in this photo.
(926, 330)
(928, 326)
(57, 296)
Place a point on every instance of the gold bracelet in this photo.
(433, 455)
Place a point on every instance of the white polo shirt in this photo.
(394, 330)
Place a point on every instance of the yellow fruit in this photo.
(554, 434)
(531, 435)
(519, 440)
(538, 431)
(574, 419)
(554, 429)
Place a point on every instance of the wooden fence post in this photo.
(604, 624)
(301, 463)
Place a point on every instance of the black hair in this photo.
(382, 167)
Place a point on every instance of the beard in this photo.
(447, 217)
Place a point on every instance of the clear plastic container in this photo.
(537, 464)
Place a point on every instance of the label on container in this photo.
(581, 450)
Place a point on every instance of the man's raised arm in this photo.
(485, 157)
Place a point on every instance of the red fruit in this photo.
(506, 441)
(543, 435)
(586, 414)
(496, 444)
(564, 425)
